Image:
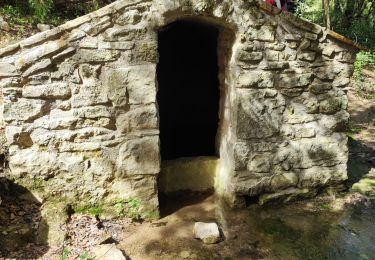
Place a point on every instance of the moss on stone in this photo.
(331, 106)
(365, 186)
(90, 210)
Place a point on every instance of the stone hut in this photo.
(94, 108)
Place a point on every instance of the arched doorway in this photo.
(193, 108)
(188, 95)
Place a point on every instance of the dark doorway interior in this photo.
(188, 95)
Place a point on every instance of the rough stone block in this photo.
(37, 67)
(283, 181)
(323, 176)
(260, 163)
(140, 84)
(337, 122)
(264, 33)
(57, 119)
(107, 252)
(115, 80)
(331, 106)
(90, 94)
(30, 57)
(249, 111)
(273, 55)
(250, 56)
(139, 156)
(54, 91)
(125, 34)
(295, 80)
(7, 70)
(95, 56)
(32, 162)
(93, 112)
(145, 52)
(207, 232)
(320, 88)
(256, 79)
(274, 65)
(341, 82)
(138, 118)
(24, 110)
(307, 56)
(116, 45)
(293, 37)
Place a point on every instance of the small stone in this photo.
(307, 56)
(4, 26)
(184, 254)
(43, 27)
(107, 252)
(311, 36)
(207, 232)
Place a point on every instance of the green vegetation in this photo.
(41, 8)
(365, 186)
(355, 20)
(66, 253)
(125, 208)
(90, 210)
(129, 208)
(365, 60)
(85, 256)
(30, 12)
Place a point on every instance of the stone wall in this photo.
(81, 117)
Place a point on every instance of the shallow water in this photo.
(294, 232)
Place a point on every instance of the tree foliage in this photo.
(51, 11)
(353, 18)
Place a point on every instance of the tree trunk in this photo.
(327, 16)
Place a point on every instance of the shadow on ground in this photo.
(23, 231)
(171, 203)
(361, 161)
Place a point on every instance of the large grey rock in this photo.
(207, 232)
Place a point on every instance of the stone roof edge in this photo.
(307, 25)
(52, 33)
(121, 4)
